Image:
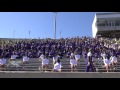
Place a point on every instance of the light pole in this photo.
(55, 24)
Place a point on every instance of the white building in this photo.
(106, 25)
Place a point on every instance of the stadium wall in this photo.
(57, 75)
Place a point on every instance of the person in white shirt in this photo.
(57, 66)
(2, 62)
(55, 58)
(106, 63)
(45, 62)
(73, 63)
(13, 57)
(42, 57)
(77, 57)
(25, 59)
(72, 54)
(89, 53)
(103, 55)
(113, 60)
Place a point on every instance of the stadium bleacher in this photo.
(35, 65)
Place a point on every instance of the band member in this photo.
(45, 62)
(89, 62)
(77, 57)
(73, 63)
(57, 66)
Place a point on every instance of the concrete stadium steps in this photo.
(66, 66)
(50, 70)
(35, 65)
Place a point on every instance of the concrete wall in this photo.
(57, 75)
(108, 15)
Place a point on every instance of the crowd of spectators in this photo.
(62, 47)
(106, 48)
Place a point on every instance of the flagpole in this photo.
(55, 24)
(60, 34)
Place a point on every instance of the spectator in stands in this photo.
(68, 54)
(51, 54)
(1, 50)
(39, 53)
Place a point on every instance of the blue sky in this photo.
(41, 24)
